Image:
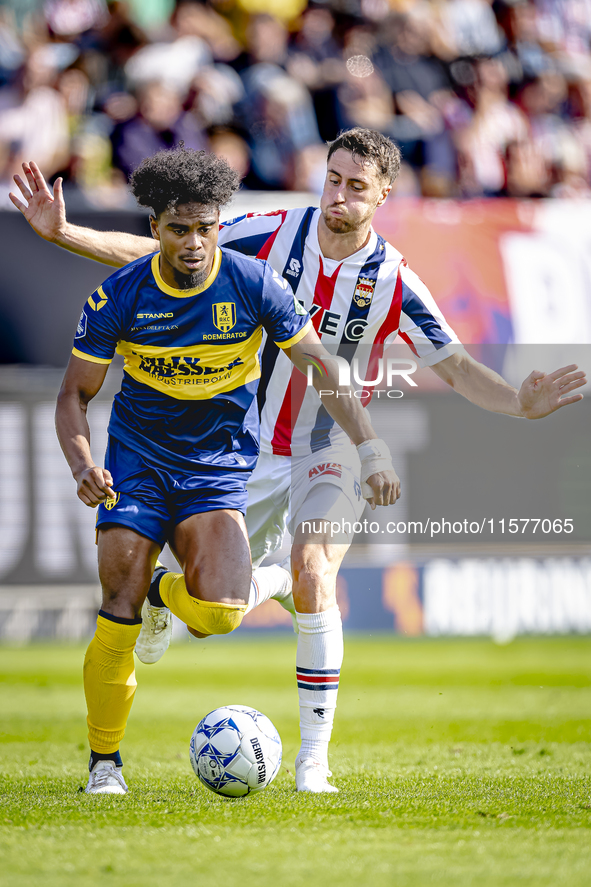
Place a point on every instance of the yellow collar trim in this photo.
(183, 294)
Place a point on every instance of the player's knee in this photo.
(221, 618)
(314, 585)
(315, 570)
(208, 587)
(214, 618)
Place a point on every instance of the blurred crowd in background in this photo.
(484, 97)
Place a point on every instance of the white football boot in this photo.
(156, 630)
(312, 776)
(106, 779)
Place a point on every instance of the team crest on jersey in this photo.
(224, 315)
(111, 503)
(364, 292)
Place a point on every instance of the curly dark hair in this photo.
(180, 175)
(370, 145)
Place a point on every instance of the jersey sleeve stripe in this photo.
(90, 357)
(250, 234)
(263, 253)
(297, 338)
(420, 311)
(248, 246)
(422, 317)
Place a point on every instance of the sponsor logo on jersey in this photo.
(148, 316)
(294, 267)
(111, 503)
(185, 369)
(97, 300)
(81, 328)
(364, 292)
(324, 468)
(224, 315)
(213, 337)
(354, 330)
(154, 328)
(330, 320)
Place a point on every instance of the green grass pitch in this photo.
(458, 763)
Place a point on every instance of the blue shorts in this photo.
(152, 500)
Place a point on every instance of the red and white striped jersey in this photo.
(357, 306)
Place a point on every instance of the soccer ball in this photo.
(235, 750)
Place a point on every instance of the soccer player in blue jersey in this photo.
(184, 428)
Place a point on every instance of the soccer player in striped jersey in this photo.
(360, 295)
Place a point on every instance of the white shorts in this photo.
(283, 491)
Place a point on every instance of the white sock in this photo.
(318, 668)
(268, 583)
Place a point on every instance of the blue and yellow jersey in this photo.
(191, 357)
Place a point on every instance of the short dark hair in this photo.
(180, 175)
(371, 146)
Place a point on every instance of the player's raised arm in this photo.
(377, 472)
(540, 394)
(83, 380)
(46, 214)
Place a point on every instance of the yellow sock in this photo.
(109, 682)
(206, 617)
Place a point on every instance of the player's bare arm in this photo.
(346, 410)
(540, 394)
(82, 381)
(46, 214)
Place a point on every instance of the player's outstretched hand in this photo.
(94, 486)
(544, 393)
(385, 486)
(45, 212)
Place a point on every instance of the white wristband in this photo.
(375, 456)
